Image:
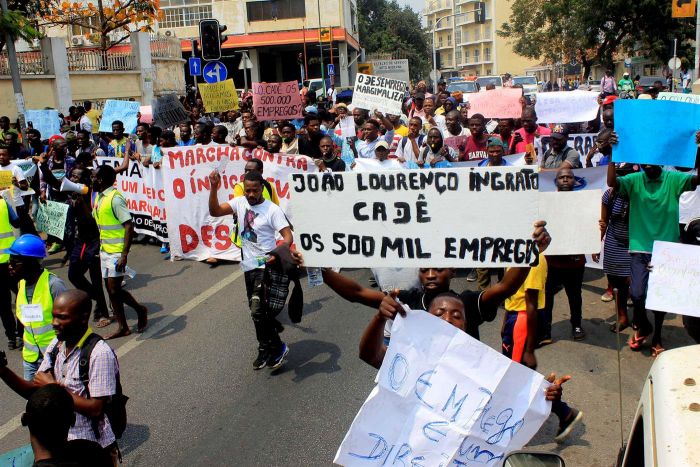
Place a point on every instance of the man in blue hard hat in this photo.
(36, 292)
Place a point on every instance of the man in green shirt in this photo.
(653, 197)
(625, 84)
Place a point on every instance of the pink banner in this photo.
(496, 103)
(277, 101)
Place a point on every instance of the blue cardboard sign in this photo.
(120, 110)
(215, 72)
(46, 121)
(195, 66)
(645, 137)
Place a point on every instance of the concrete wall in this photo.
(100, 85)
(38, 92)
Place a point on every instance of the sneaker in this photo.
(567, 426)
(607, 296)
(546, 340)
(578, 333)
(471, 277)
(279, 327)
(275, 362)
(261, 360)
(164, 249)
(55, 248)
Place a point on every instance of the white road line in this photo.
(134, 342)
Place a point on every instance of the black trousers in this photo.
(572, 280)
(7, 315)
(263, 320)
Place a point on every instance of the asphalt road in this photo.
(196, 401)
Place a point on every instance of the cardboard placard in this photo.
(219, 97)
(378, 93)
(497, 103)
(277, 101)
(125, 111)
(168, 111)
(567, 106)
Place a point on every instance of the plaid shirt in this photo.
(103, 383)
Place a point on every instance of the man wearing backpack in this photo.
(100, 414)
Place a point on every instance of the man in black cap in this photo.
(560, 154)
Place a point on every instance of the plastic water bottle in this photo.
(315, 276)
(254, 262)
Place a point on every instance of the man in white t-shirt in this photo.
(259, 221)
(19, 181)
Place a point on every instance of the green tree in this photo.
(596, 30)
(14, 21)
(386, 27)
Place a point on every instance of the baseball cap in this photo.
(609, 100)
(381, 145)
(495, 141)
(560, 131)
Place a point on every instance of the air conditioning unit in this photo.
(77, 40)
(169, 33)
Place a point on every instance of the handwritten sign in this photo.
(444, 398)
(567, 106)
(674, 281)
(52, 218)
(168, 111)
(415, 218)
(125, 111)
(582, 142)
(219, 97)
(497, 103)
(46, 121)
(679, 97)
(572, 221)
(5, 179)
(378, 93)
(277, 101)
(192, 232)
(638, 144)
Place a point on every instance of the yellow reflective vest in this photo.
(111, 229)
(38, 334)
(7, 236)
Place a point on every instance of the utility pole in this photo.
(320, 48)
(14, 72)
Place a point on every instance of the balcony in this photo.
(444, 25)
(439, 5)
(444, 46)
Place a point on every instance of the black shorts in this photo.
(85, 252)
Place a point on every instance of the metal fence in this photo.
(165, 47)
(30, 63)
(98, 60)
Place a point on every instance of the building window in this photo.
(476, 55)
(275, 9)
(488, 71)
(439, 42)
(458, 56)
(458, 36)
(477, 34)
(466, 36)
(177, 17)
(77, 30)
(353, 19)
(487, 54)
(449, 39)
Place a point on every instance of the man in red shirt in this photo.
(526, 135)
(478, 141)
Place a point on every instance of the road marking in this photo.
(134, 342)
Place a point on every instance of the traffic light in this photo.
(480, 13)
(210, 38)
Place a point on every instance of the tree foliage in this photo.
(15, 22)
(386, 27)
(102, 17)
(596, 30)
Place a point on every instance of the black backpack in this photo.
(115, 409)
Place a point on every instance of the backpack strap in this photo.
(84, 372)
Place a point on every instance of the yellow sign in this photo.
(683, 8)
(219, 97)
(5, 179)
(365, 68)
(325, 35)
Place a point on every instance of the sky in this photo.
(417, 5)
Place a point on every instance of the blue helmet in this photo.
(28, 245)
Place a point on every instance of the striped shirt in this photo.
(103, 371)
(616, 258)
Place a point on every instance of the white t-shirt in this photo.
(257, 225)
(18, 174)
(86, 123)
(406, 152)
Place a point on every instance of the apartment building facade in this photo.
(466, 48)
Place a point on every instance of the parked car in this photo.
(594, 85)
(483, 81)
(466, 87)
(647, 82)
(529, 84)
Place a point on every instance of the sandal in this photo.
(636, 341)
(104, 322)
(613, 327)
(655, 351)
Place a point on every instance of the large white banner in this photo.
(677, 96)
(437, 217)
(572, 221)
(566, 106)
(143, 189)
(377, 93)
(444, 398)
(674, 280)
(192, 232)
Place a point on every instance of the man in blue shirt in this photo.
(370, 132)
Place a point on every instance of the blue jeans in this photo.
(30, 369)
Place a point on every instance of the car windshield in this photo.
(524, 80)
(464, 86)
(495, 80)
(649, 80)
(594, 82)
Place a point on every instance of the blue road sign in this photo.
(214, 72)
(331, 69)
(195, 66)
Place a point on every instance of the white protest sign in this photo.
(444, 398)
(373, 165)
(51, 218)
(674, 281)
(192, 232)
(142, 188)
(566, 106)
(582, 142)
(680, 97)
(416, 218)
(396, 69)
(378, 93)
(588, 178)
(572, 221)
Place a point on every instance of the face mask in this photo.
(287, 140)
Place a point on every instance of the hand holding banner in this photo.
(275, 101)
(219, 97)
